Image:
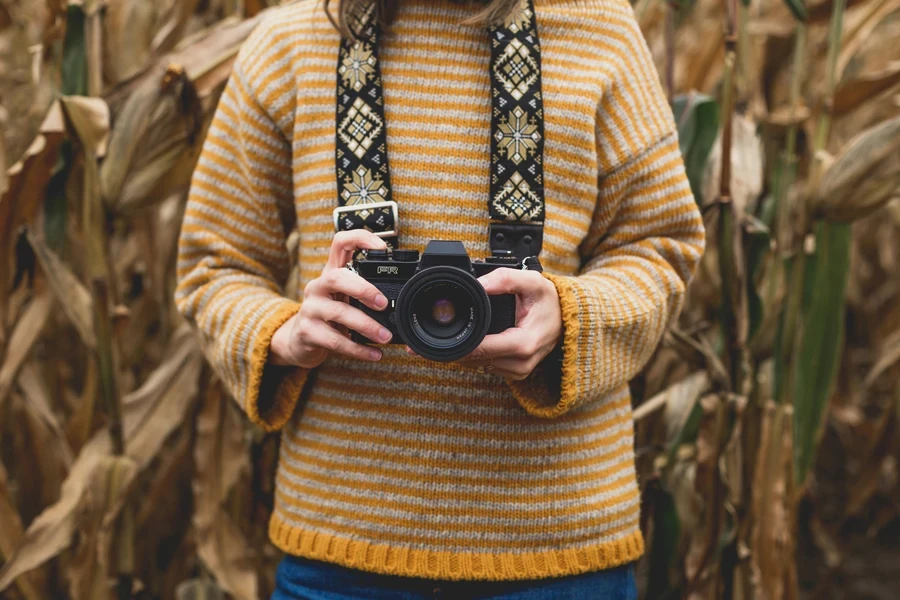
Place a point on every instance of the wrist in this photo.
(280, 345)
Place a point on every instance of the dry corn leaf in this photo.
(857, 91)
(24, 335)
(889, 356)
(88, 119)
(73, 297)
(154, 410)
(52, 530)
(154, 145)
(150, 414)
(674, 399)
(771, 551)
(747, 159)
(10, 534)
(129, 27)
(863, 177)
(873, 14)
(88, 577)
(37, 399)
(220, 456)
(26, 185)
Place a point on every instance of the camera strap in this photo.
(516, 203)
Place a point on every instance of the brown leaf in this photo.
(872, 14)
(855, 92)
(128, 31)
(26, 186)
(10, 535)
(73, 297)
(785, 116)
(863, 177)
(88, 120)
(155, 144)
(678, 400)
(889, 356)
(88, 577)
(24, 335)
(155, 409)
(150, 414)
(37, 399)
(747, 158)
(220, 457)
(52, 530)
(771, 548)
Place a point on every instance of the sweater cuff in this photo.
(552, 388)
(272, 391)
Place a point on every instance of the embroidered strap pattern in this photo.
(517, 119)
(363, 175)
(517, 127)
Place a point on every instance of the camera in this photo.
(436, 305)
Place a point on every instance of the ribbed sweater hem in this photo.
(446, 565)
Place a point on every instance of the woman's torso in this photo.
(427, 469)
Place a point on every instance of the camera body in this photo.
(435, 304)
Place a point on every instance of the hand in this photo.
(325, 317)
(515, 352)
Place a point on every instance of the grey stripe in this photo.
(456, 449)
(443, 501)
(457, 540)
(411, 480)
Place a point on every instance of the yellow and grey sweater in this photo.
(417, 468)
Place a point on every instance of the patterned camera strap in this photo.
(516, 203)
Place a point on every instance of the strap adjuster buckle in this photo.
(370, 206)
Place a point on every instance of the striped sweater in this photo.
(424, 469)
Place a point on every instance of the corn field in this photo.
(767, 421)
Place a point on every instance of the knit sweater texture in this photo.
(425, 469)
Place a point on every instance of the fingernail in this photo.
(384, 335)
(375, 355)
(380, 301)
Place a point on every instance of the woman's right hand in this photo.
(325, 316)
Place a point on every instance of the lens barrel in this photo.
(443, 313)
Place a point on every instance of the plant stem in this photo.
(731, 250)
(823, 126)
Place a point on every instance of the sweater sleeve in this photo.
(232, 256)
(644, 243)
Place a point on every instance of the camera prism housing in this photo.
(436, 305)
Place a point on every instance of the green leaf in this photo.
(819, 355)
(697, 116)
(74, 83)
(74, 59)
(798, 9)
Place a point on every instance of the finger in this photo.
(510, 281)
(510, 368)
(345, 243)
(348, 283)
(514, 342)
(350, 317)
(328, 338)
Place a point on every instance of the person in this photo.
(508, 473)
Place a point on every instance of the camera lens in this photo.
(443, 313)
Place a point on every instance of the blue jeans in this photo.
(304, 579)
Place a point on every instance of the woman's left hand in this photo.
(515, 352)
